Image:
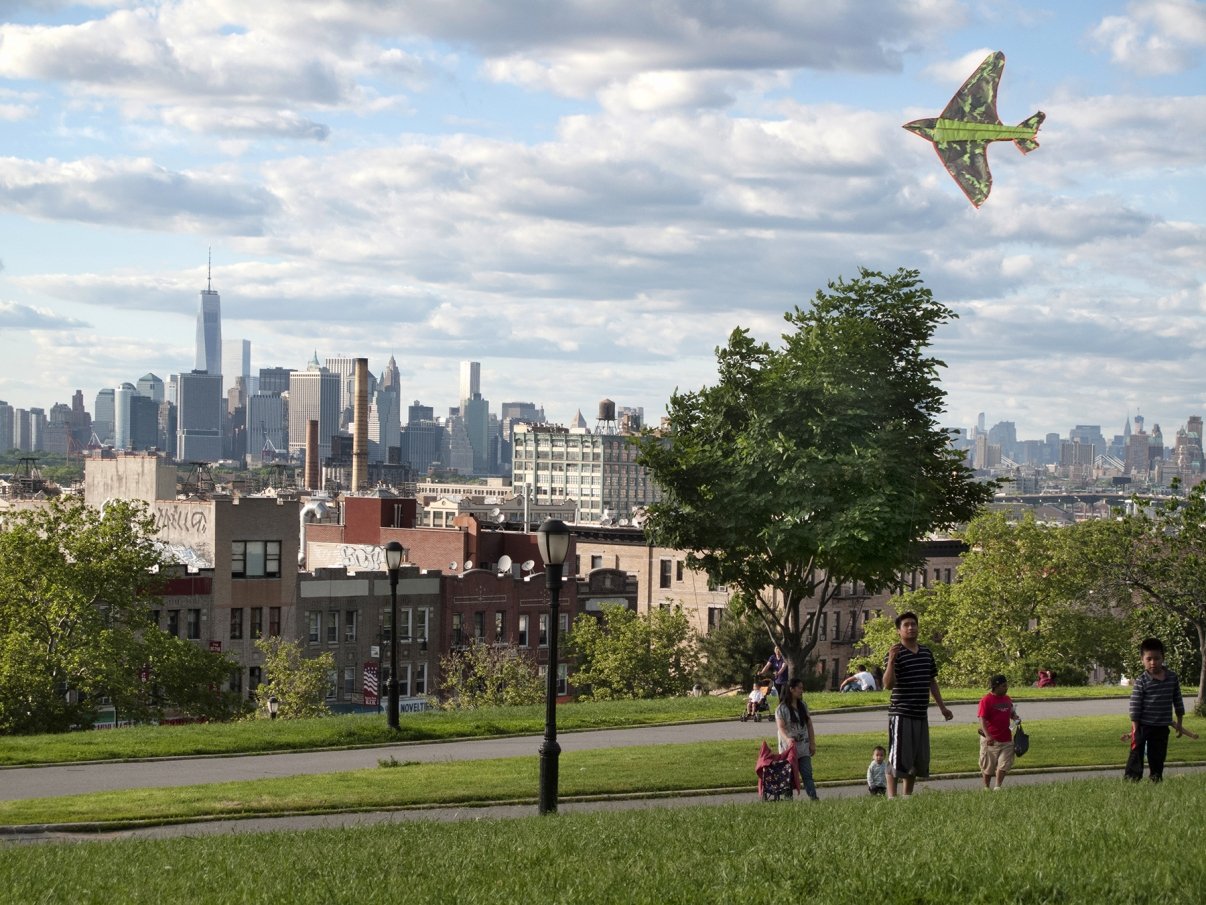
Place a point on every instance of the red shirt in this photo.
(996, 708)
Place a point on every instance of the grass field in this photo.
(1072, 742)
(335, 732)
(1097, 842)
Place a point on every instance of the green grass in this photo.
(1072, 742)
(255, 736)
(1091, 842)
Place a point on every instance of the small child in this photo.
(755, 701)
(877, 780)
(1155, 698)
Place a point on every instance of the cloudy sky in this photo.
(587, 195)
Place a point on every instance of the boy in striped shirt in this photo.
(1155, 698)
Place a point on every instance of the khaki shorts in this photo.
(997, 757)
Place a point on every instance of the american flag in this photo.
(370, 684)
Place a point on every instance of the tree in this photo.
(626, 655)
(482, 675)
(1024, 601)
(735, 649)
(77, 585)
(816, 463)
(1158, 555)
(299, 683)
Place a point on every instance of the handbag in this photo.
(1021, 741)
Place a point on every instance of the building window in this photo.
(236, 624)
(946, 575)
(194, 625)
(421, 679)
(257, 622)
(422, 619)
(404, 680)
(253, 680)
(155, 618)
(837, 626)
(173, 626)
(332, 685)
(479, 627)
(678, 569)
(236, 681)
(404, 624)
(596, 561)
(542, 633)
(255, 558)
(824, 626)
(562, 679)
(315, 633)
(333, 627)
(500, 627)
(715, 617)
(349, 681)
(274, 621)
(563, 626)
(457, 630)
(349, 625)
(522, 638)
(664, 573)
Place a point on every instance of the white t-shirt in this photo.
(867, 679)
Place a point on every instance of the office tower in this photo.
(167, 426)
(151, 386)
(424, 440)
(598, 471)
(461, 455)
(81, 422)
(22, 439)
(391, 378)
(313, 396)
(199, 417)
(274, 381)
(471, 380)
(102, 420)
(267, 428)
(384, 431)
(209, 331)
(144, 422)
(58, 430)
(6, 426)
(121, 414)
(237, 360)
(345, 370)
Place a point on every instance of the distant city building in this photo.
(597, 470)
(267, 428)
(424, 440)
(313, 396)
(150, 386)
(199, 417)
(121, 414)
(6, 426)
(274, 381)
(102, 418)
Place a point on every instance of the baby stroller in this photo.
(778, 774)
(756, 704)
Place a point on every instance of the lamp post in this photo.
(553, 540)
(393, 559)
(273, 706)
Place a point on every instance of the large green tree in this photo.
(77, 586)
(299, 683)
(631, 655)
(1025, 600)
(486, 675)
(817, 462)
(1157, 553)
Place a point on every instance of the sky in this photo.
(588, 196)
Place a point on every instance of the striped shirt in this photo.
(1154, 700)
(911, 690)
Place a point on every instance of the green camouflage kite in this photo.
(962, 132)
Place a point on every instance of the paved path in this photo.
(45, 782)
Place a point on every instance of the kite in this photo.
(962, 132)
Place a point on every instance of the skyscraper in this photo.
(102, 421)
(151, 386)
(199, 417)
(313, 396)
(471, 380)
(209, 332)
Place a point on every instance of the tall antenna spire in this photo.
(209, 273)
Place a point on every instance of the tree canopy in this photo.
(817, 462)
(299, 683)
(77, 586)
(630, 655)
(485, 675)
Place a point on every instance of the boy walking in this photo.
(1155, 698)
(996, 741)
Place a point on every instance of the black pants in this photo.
(1155, 740)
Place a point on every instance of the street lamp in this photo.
(273, 706)
(393, 559)
(553, 539)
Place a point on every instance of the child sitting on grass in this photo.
(877, 778)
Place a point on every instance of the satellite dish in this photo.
(624, 522)
(605, 521)
(468, 564)
(452, 566)
(500, 518)
(504, 563)
(528, 565)
(496, 512)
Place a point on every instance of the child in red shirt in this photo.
(996, 741)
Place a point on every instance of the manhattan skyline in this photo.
(588, 199)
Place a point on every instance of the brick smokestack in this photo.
(360, 427)
(312, 468)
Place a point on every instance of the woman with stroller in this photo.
(795, 725)
(776, 668)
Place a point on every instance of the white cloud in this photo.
(1155, 37)
(14, 316)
